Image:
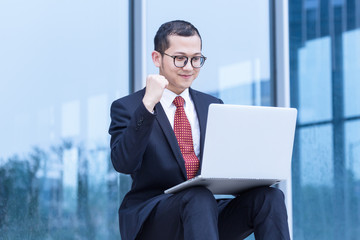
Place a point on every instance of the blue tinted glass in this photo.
(324, 86)
(351, 54)
(314, 186)
(352, 146)
(316, 169)
(352, 184)
(315, 81)
(62, 64)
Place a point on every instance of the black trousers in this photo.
(194, 214)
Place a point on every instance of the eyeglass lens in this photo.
(196, 62)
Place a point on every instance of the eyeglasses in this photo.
(181, 61)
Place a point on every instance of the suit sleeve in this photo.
(130, 132)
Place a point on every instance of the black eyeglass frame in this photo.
(187, 59)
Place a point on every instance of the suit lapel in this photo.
(170, 135)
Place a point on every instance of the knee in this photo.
(271, 199)
(266, 197)
(200, 196)
(198, 193)
(273, 194)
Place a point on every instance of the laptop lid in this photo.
(250, 142)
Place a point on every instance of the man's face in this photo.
(180, 78)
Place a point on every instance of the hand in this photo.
(155, 85)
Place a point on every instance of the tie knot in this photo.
(179, 101)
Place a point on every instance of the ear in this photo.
(156, 57)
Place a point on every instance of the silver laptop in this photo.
(245, 147)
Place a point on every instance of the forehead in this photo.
(188, 45)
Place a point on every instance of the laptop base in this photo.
(232, 186)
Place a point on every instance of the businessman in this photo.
(157, 136)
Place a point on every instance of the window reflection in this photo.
(315, 81)
(70, 119)
(314, 193)
(351, 54)
(352, 185)
(324, 52)
(316, 169)
(352, 148)
(240, 83)
(63, 192)
(58, 77)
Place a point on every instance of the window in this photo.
(238, 65)
(62, 64)
(324, 54)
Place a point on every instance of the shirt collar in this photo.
(169, 96)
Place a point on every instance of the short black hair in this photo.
(176, 27)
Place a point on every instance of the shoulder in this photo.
(131, 100)
(197, 95)
(132, 97)
(127, 105)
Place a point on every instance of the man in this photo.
(158, 138)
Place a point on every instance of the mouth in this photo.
(187, 76)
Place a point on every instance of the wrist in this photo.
(148, 105)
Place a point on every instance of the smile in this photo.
(186, 75)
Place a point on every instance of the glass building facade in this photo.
(324, 73)
(62, 63)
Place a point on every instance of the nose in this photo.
(188, 66)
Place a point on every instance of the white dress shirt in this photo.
(189, 107)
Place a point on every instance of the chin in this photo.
(187, 85)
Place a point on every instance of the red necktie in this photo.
(182, 129)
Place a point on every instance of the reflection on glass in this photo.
(240, 83)
(325, 51)
(315, 196)
(58, 77)
(352, 148)
(315, 81)
(316, 159)
(70, 119)
(351, 54)
(51, 193)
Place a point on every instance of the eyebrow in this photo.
(182, 53)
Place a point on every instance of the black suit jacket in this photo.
(144, 145)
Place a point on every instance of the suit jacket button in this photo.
(140, 122)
